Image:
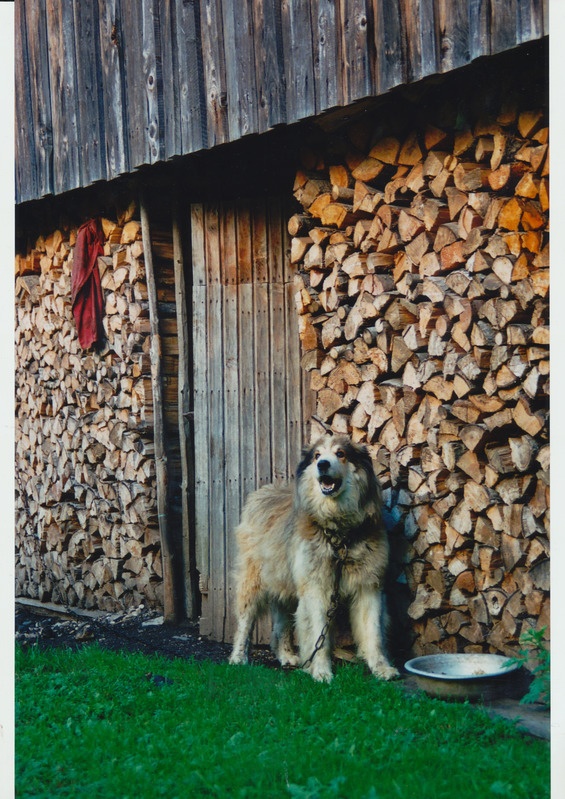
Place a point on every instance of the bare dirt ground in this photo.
(140, 630)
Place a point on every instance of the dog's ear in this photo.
(359, 455)
(306, 459)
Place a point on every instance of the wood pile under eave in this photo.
(422, 292)
(86, 520)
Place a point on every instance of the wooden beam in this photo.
(170, 603)
(186, 415)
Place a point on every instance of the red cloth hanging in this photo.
(86, 291)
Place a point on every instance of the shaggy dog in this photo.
(290, 543)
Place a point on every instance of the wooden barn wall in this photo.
(248, 396)
(106, 86)
(421, 245)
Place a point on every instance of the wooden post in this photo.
(186, 414)
(170, 605)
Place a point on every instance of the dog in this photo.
(291, 540)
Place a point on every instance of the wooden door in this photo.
(249, 399)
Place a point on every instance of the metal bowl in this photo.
(463, 676)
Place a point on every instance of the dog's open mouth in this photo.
(329, 485)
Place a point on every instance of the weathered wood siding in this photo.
(106, 86)
(248, 395)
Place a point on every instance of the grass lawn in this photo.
(97, 724)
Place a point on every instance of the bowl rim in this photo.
(412, 666)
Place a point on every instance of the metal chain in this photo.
(339, 548)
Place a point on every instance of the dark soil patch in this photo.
(140, 630)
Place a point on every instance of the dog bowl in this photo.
(472, 677)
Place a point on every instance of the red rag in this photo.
(86, 291)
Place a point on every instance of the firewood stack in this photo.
(422, 292)
(86, 523)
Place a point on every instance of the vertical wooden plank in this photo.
(62, 73)
(169, 89)
(278, 345)
(130, 48)
(326, 54)
(544, 11)
(421, 45)
(192, 103)
(232, 401)
(27, 149)
(390, 59)
(358, 49)
(152, 72)
(88, 81)
(216, 430)
(261, 292)
(300, 406)
(479, 28)
(246, 340)
(143, 81)
(240, 69)
(269, 64)
(214, 71)
(170, 596)
(298, 410)
(113, 100)
(299, 63)
(530, 22)
(255, 416)
(503, 24)
(201, 418)
(183, 299)
(453, 24)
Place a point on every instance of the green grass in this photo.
(92, 724)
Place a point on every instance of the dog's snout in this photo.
(323, 466)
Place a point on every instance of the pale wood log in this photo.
(340, 176)
(299, 224)
(321, 202)
(531, 422)
(368, 169)
(298, 248)
(386, 150)
(338, 214)
(311, 189)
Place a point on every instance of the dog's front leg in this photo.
(281, 635)
(247, 612)
(311, 618)
(367, 613)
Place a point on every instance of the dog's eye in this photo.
(340, 454)
(316, 456)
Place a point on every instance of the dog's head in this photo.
(339, 473)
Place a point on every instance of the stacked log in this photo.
(86, 522)
(422, 292)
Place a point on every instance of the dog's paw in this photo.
(385, 672)
(238, 659)
(288, 659)
(321, 675)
